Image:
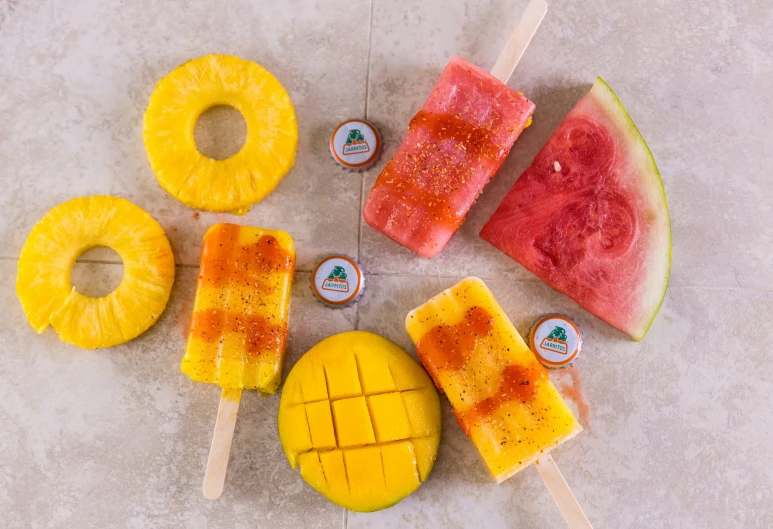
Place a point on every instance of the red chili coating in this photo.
(259, 335)
(450, 346)
(224, 261)
(517, 383)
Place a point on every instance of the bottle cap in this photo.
(337, 280)
(556, 340)
(355, 144)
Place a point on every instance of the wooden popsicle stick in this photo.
(524, 30)
(562, 494)
(217, 464)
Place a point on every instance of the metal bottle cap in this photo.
(337, 280)
(355, 144)
(555, 340)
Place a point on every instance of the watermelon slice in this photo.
(589, 217)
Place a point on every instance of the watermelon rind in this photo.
(632, 304)
(660, 265)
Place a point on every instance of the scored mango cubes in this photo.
(501, 395)
(361, 419)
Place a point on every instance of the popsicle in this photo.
(501, 395)
(455, 144)
(238, 330)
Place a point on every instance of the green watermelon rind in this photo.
(633, 137)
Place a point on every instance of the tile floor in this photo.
(679, 427)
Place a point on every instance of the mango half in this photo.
(362, 420)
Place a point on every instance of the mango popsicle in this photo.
(501, 395)
(454, 146)
(238, 330)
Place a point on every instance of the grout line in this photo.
(357, 317)
(454, 276)
(370, 46)
(345, 521)
(359, 245)
(362, 175)
(731, 289)
(100, 261)
(537, 280)
(359, 217)
(177, 265)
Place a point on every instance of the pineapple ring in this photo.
(268, 153)
(43, 280)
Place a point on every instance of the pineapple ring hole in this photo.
(97, 272)
(220, 132)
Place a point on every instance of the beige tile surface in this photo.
(679, 427)
(120, 437)
(675, 435)
(75, 80)
(695, 80)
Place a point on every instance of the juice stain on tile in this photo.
(573, 392)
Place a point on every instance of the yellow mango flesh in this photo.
(361, 419)
(511, 428)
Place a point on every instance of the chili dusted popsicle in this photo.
(501, 395)
(238, 329)
(454, 146)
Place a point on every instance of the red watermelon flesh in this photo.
(589, 217)
(454, 145)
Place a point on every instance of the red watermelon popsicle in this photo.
(455, 144)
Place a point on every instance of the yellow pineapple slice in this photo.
(242, 180)
(43, 280)
(361, 419)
